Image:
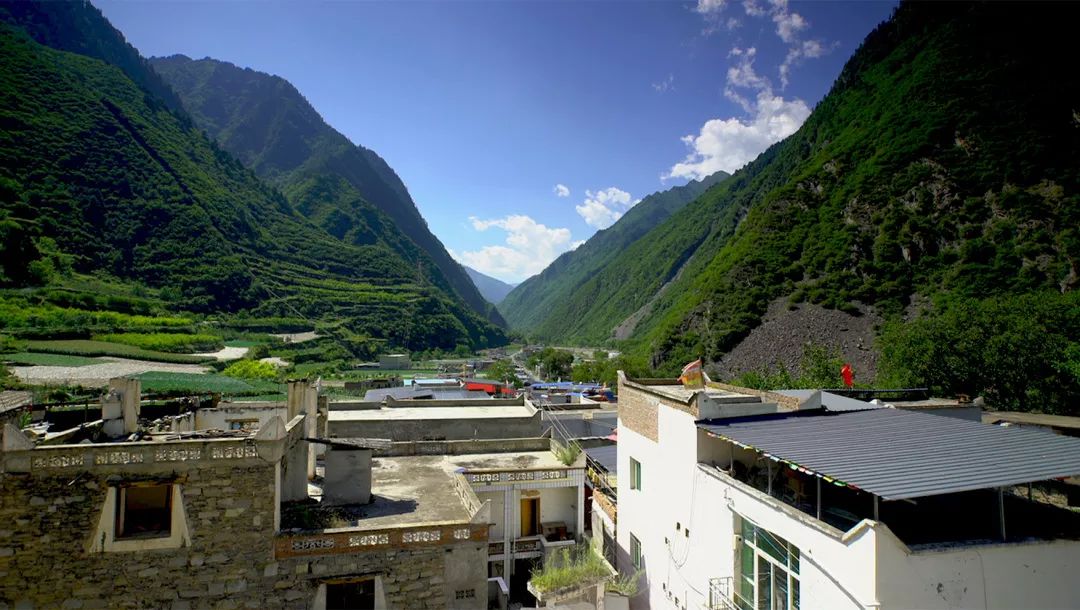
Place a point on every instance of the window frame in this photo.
(637, 558)
(749, 535)
(635, 474)
(121, 513)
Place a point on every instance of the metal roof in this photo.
(897, 454)
(607, 456)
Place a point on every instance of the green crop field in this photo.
(196, 383)
(82, 347)
(27, 358)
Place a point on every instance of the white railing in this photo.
(722, 595)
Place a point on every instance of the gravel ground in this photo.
(98, 374)
(226, 353)
(783, 335)
(297, 337)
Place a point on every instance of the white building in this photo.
(738, 499)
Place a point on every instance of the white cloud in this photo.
(706, 7)
(530, 247)
(668, 84)
(602, 208)
(729, 144)
(753, 8)
(799, 51)
(788, 23)
(561, 190)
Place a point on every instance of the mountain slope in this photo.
(944, 160)
(540, 304)
(129, 189)
(493, 289)
(267, 124)
(79, 27)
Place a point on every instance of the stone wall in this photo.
(48, 558)
(49, 520)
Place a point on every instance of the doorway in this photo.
(530, 517)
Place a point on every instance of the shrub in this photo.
(567, 568)
(251, 369)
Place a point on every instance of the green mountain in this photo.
(493, 289)
(99, 176)
(267, 124)
(944, 162)
(566, 301)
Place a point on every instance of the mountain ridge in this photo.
(493, 289)
(99, 173)
(271, 127)
(536, 305)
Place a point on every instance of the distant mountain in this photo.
(271, 127)
(98, 172)
(554, 304)
(493, 289)
(944, 161)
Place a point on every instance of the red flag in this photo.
(848, 375)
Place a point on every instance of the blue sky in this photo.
(521, 128)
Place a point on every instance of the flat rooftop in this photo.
(433, 413)
(419, 489)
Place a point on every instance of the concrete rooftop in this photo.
(419, 489)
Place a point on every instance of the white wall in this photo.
(998, 576)
(666, 498)
(559, 504)
(495, 532)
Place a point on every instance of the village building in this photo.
(273, 513)
(731, 498)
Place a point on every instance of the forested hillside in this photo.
(267, 124)
(945, 163)
(100, 177)
(545, 303)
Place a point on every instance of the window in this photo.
(768, 570)
(635, 474)
(353, 595)
(243, 424)
(635, 552)
(144, 511)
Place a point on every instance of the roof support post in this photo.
(876, 517)
(731, 458)
(1001, 512)
(818, 479)
(1029, 491)
(768, 486)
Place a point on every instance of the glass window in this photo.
(768, 570)
(635, 552)
(635, 474)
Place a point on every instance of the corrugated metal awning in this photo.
(897, 454)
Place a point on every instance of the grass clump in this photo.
(569, 453)
(567, 568)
